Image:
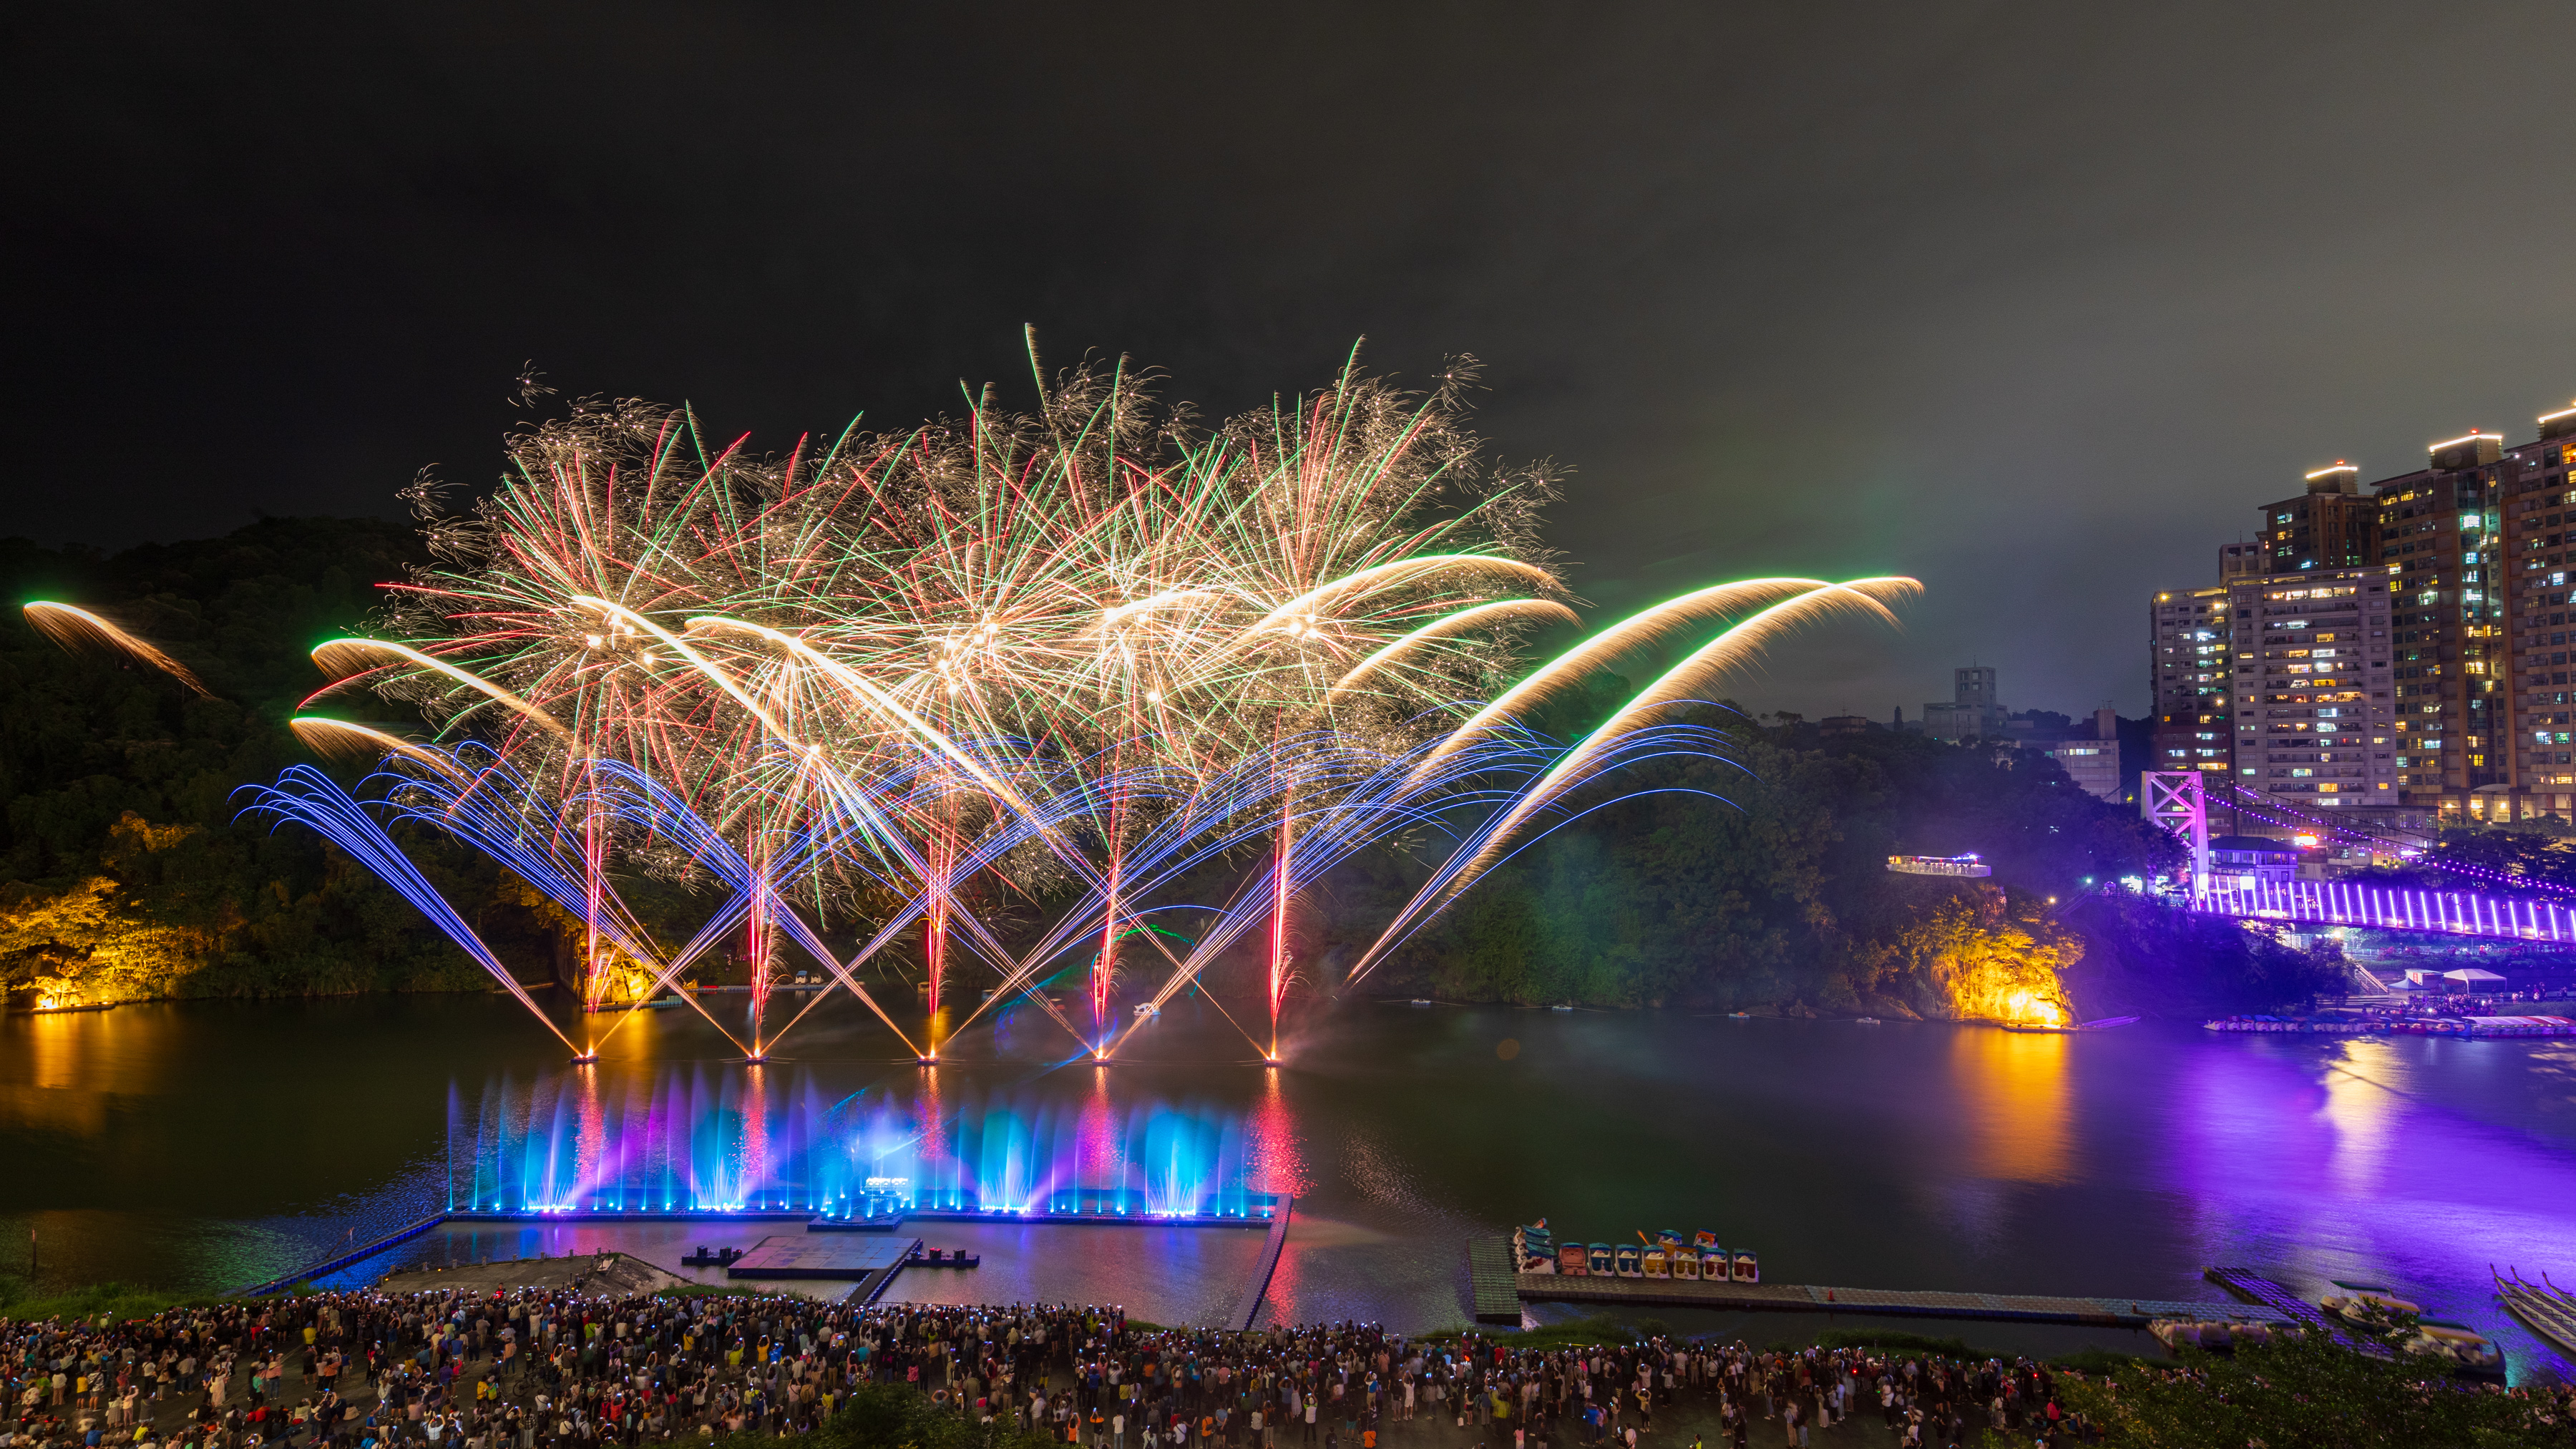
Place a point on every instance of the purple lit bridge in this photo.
(2450, 913)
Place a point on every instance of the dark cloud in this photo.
(2033, 301)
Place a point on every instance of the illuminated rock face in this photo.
(1993, 971)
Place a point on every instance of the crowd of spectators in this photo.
(524, 1368)
(520, 1369)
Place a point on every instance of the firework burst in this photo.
(1083, 655)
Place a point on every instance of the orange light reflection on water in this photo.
(53, 1093)
(2020, 1123)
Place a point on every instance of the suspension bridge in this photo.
(2338, 903)
(2176, 800)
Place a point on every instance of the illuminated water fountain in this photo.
(690, 1142)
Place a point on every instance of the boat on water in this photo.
(1869, 1021)
(1147, 1008)
(1666, 1254)
(1739, 1016)
(2369, 1304)
(2217, 1334)
(1418, 1001)
(1560, 1008)
(2110, 1023)
(1534, 1248)
(2543, 1307)
(2463, 1347)
(2374, 1307)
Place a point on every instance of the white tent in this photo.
(2471, 976)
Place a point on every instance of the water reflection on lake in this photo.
(2016, 1089)
(205, 1145)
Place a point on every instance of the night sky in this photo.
(2032, 301)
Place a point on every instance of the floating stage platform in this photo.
(877, 1214)
(1255, 1210)
(866, 1247)
(631, 1215)
(870, 1262)
(1148, 1220)
(1492, 1306)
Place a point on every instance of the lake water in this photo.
(208, 1145)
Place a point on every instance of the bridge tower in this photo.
(2174, 800)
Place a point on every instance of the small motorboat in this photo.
(2180, 1333)
(1739, 1016)
(2458, 1344)
(2368, 1304)
(1561, 1008)
(944, 1258)
(1868, 1021)
(1418, 1001)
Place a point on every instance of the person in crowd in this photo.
(533, 1368)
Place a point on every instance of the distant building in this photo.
(2190, 668)
(2330, 526)
(2093, 761)
(1973, 711)
(2440, 539)
(1846, 724)
(2476, 549)
(2251, 860)
(2313, 717)
(2094, 765)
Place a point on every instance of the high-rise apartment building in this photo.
(2436, 527)
(2314, 717)
(2190, 636)
(2331, 525)
(2464, 696)
(2534, 561)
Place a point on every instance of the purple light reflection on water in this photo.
(2314, 1161)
